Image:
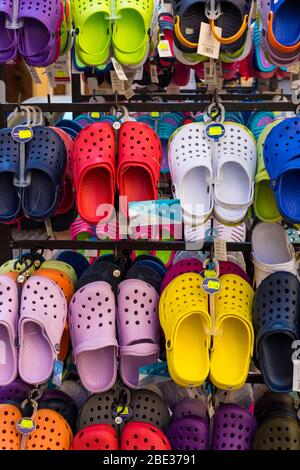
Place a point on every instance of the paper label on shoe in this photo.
(296, 375)
(119, 70)
(208, 44)
(164, 49)
(153, 73)
(220, 249)
(2, 353)
(117, 84)
(189, 31)
(34, 74)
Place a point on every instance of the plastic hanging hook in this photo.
(213, 9)
(113, 15)
(23, 134)
(15, 23)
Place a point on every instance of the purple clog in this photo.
(9, 314)
(191, 265)
(8, 42)
(43, 315)
(234, 428)
(138, 326)
(15, 393)
(189, 433)
(190, 407)
(38, 39)
(92, 318)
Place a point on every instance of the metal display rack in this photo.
(189, 101)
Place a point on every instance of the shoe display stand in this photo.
(189, 101)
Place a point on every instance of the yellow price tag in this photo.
(215, 130)
(154, 114)
(25, 134)
(61, 74)
(210, 273)
(27, 423)
(163, 46)
(213, 285)
(95, 115)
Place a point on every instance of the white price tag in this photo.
(139, 74)
(220, 249)
(153, 73)
(34, 74)
(50, 76)
(296, 375)
(208, 45)
(117, 84)
(119, 70)
(59, 72)
(164, 49)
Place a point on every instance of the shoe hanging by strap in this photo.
(274, 42)
(235, 37)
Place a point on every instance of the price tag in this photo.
(139, 74)
(95, 115)
(153, 73)
(210, 73)
(220, 249)
(211, 285)
(208, 44)
(59, 72)
(117, 84)
(164, 49)
(22, 134)
(119, 70)
(296, 375)
(210, 273)
(34, 74)
(215, 131)
(25, 426)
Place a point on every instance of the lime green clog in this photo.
(131, 35)
(265, 206)
(93, 31)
